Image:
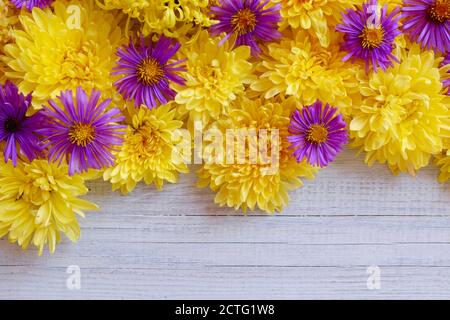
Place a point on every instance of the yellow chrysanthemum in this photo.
(215, 76)
(302, 68)
(256, 184)
(148, 151)
(8, 19)
(38, 202)
(445, 74)
(174, 18)
(318, 17)
(404, 116)
(74, 46)
(392, 4)
(443, 161)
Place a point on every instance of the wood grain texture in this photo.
(178, 244)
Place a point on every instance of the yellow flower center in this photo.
(145, 142)
(81, 134)
(149, 139)
(150, 71)
(440, 11)
(317, 134)
(76, 66)
(244, 21)
(323, 57)
(372, 37)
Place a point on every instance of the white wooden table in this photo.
(177, 244)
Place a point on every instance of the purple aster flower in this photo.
(30, 4)
(317, 133)
(428, 22)
(83, 132)
(252, 21)
(147, 71)
(17, 130)
(447, 81)
(369, 34)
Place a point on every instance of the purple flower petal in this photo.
(369, 35)
(252, 21)
(30, 4)
(318, 134)
(146, 71)
(16, 129)
(428, 22)
(81, 131)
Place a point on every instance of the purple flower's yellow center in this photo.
(150, 71)
(11, 125)
(81, 134)
(372, 37)
(244, 21)
(439, 12)
(317, 134)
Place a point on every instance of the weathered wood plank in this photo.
(178, 244)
